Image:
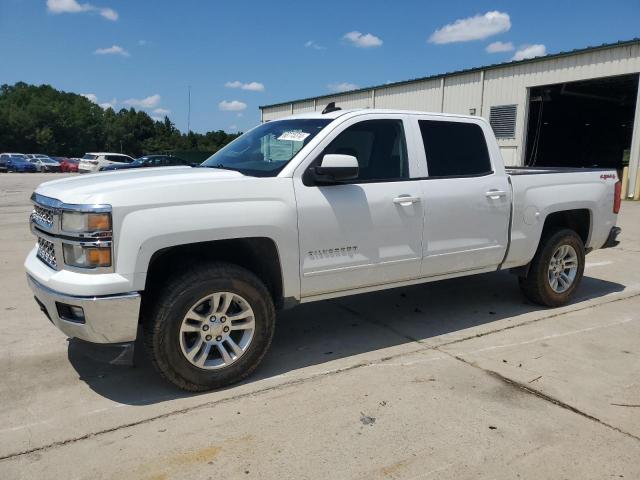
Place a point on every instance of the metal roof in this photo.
(621, 43)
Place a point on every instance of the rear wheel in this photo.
(209, 327)
(556, 270)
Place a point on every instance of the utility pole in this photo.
(189, 111)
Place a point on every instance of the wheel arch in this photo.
(257, 254)
(577, 219)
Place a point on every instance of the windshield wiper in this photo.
(220, 166)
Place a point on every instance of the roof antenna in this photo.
(331, 107)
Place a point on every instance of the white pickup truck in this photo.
(310, 207)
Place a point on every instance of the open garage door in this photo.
(582, 124)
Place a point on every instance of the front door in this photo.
(367, 231)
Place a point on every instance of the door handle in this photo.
(405, 200)
(495, 194)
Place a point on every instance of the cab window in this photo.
(454, 149)
(379, 146)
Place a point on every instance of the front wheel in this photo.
(209, 327)
(556, 270)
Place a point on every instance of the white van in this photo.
(94, 161)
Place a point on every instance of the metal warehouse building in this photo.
(576, 109)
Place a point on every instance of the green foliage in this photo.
(41, 119)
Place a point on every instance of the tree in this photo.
(43, 119)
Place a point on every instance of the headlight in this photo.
(86, 257)
(86, 222)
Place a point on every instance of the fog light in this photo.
(70, 313)
(77, 312)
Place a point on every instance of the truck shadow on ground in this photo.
(318, 333)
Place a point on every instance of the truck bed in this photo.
(536, 195)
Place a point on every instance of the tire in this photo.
(537, 286)
(165, 317)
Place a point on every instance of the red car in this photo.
(69, 164)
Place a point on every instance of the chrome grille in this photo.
(43, 216)
(47, 252)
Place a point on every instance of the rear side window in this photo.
(379, 146)
(454, 149)
(88, 156)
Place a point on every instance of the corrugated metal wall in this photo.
(304, 107)
(425, 95)
(480, 90)
(278, 111)
(462, 93)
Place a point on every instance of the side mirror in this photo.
(335, 168)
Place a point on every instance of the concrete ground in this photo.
(457, 379)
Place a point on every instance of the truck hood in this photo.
(124, 186)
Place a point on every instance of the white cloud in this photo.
(497, 47)
(112, 50)
(232, 106)
(162, 111)
(363, 40)
(314, 45)
(72, 6)
(342, 86)
(529, 51)
(151, 101)
(253, 86)
(92, 97)
(109, 13)
(478, 27)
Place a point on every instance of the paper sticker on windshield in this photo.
(294, 136)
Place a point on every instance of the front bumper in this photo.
(612, 239)
(107, 319)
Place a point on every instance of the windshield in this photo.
(47, 160)
(265, 150)
(88, 156)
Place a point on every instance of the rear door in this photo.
(366, 231)
(466, 195)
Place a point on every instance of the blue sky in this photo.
(238, 55)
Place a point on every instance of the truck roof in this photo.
(357, 111)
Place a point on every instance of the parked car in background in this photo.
(94, 161)
(69, 164)
(45, 164)
(4, 157)
(33, 156)
(20, 164)
(149, 161)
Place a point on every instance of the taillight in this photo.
(617, 197)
